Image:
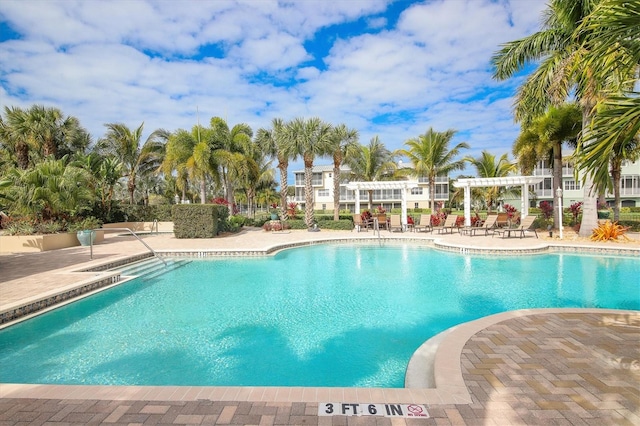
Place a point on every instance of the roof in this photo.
(383, 184)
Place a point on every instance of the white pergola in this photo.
(522, 181)
(404, 185)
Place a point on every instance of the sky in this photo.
(386, 68)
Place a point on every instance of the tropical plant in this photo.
(575, 209)
(189, 155)
(38, 132)
(431, 156)
(546, 209)
(543, 136)
(341, 140)
(487, 167)
(227, 148)
(137, 158)
(51, 190)
(609, 231)
(370, 163)
(273, 142)
(560, 48)
(308, 138)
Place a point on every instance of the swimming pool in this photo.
(324, 315)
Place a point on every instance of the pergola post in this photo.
(467, 205)
(403, 214)
(524, 199)
(357, 191)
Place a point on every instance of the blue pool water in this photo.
(325, 315)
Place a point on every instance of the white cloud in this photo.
(93, 60)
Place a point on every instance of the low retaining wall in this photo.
(38, 243)
(142, 226)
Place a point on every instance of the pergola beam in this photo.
(404, 185)
(522, 181)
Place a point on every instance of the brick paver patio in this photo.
(537, 367)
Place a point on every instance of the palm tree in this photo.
(256, 173)
(342, 139)
(308, 138)
(542, 138)
(226, 145)
(487, 167)
(370, 163)
(560, 47)
(52, 190)
(273, 142)
(124, 144)
(613, 48)
(431, 157)
(38, 132)
(189, 154)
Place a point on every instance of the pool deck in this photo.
(546, 366)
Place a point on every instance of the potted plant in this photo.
(603, 211)
(85, 230)
(274, 211)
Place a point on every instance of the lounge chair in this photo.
(502, 220)
(488, 225)
(395, 223)
(425, 224)
(359, 222)
(526, 225)
(449, 224)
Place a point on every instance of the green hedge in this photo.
(342, 224)
(139, 213)
(199, 220)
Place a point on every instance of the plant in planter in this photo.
(84, 230)
(274, 211)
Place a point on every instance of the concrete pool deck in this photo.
(525, 367)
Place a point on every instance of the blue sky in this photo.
(386, 68)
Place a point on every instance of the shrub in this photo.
(276, 225)
(343, 224)
(632, 225)
(634, 209)
(546, 209)
(198, 220)
(609, 231)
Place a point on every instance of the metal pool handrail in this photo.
(132, 233)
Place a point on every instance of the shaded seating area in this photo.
(526, 225)
(448, 226)
(424, 224)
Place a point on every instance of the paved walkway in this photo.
(578, 367)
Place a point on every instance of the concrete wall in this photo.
(38, 243)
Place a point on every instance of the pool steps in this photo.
(150, 268)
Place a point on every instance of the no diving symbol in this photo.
(416, 410)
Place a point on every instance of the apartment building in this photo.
(323, 179)
(572, 188)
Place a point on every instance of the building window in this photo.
(416, 191)
(323, 192)
(316, 179)
(324, 207)
(571, 185)
(415, 205)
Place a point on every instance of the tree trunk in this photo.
(284, 187)
(590, 197)
(308, 192)
(616, 175)
(131, 186)
(22, 155)
(557, 182)
(203, 191)
(370, 199)
(432, 193)
(336, 191)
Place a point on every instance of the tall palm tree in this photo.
(273, 142)
(431, 157)
(370, 163)
(308, 138)
(613, 48)
(189, 154)
(559, 47)
(342, 139)
(542, 138)
(487, 167)
(137, 158)
(40, 131)
(226, 145)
